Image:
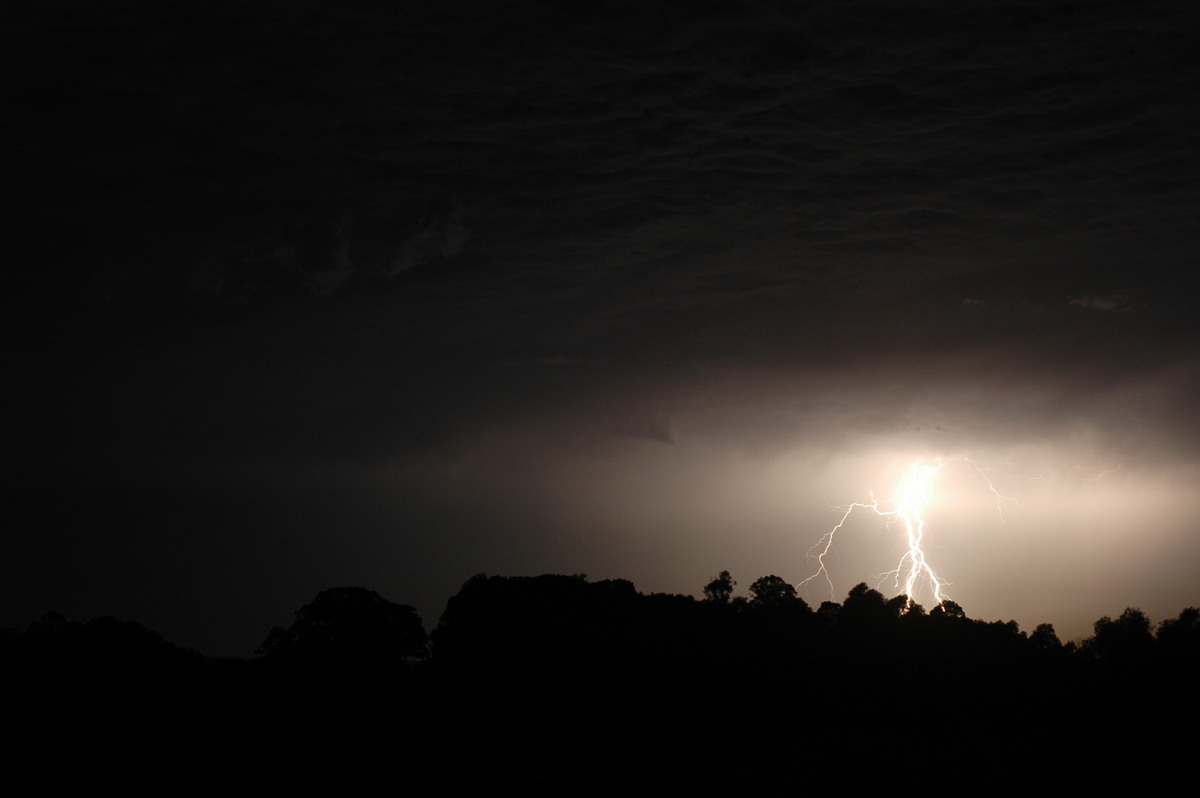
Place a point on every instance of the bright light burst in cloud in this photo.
(903, 512)
(902, 509)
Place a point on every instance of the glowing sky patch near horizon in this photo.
(914, 576)
(744, 471)
(1060, 530)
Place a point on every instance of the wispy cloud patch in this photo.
(1107, 302)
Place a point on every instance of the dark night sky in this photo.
(308, 294)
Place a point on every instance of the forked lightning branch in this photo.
(913, 575)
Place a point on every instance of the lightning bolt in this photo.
(904, 510)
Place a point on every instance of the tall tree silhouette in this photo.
(349, 622)
(771, 590)
(720, 589)
(1045, 639)
(1126, 639)
(1180, 637)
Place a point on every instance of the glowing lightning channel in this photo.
(913, 569)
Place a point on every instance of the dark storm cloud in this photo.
(539, 143)
(673, 183)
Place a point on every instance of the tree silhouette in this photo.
(948, 609)
(1126, 639)
(900, 605)
(105, 638)
(349, 622)
(771, 590)
(720, 589)
(865, 606)
(1045, 639)
(1180, 637)
(548, 618)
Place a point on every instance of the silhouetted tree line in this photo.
(560, 618)
(534, 680)
(53, 637)
(567, 618)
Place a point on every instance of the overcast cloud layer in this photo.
(311, 294)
